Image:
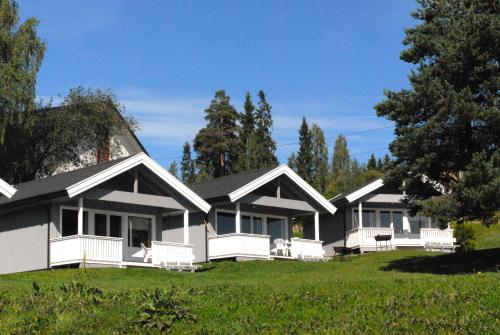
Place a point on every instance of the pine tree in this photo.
(173, 169)
(372, 162)
(380, 164)
(249, 149)
(450, 115)
(386, 162)
(187, 165)
(266, 148)
(341, 161)
(292, 161)
(218, 145)
(304, 156)
(319, 159)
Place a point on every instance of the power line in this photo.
(294, 143)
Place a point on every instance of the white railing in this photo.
(169, 253)
(238, 245)
(431, 235)
(303, 248)
(352, 238)
(86, 249)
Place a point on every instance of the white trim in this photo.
(7, 189)
(273, 174)
(375, 185)
(130, 163)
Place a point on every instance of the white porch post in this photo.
(186, 227)
(80, 216)
(238, 218)
(316, 226)
(360, 215)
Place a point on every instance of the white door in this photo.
(140, 230)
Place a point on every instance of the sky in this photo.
(329, 61)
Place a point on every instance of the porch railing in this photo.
(169, 253)
(239, 245)
(352, 238)
(437, 235)
(86, 249)
(303, 248)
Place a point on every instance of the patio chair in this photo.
(147, 253)
(342, 251)
(280, 246)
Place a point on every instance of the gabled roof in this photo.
(6, 189)
(239, 185)
(359, 192)
(78, 181)
(221, 187)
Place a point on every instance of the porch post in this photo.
(80, 216)
(238, 218)
(316, 226)
(186, 226)
(136, 181)
(360, 213)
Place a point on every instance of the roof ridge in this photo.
(233, 175)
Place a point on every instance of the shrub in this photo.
(465, 237)
(162, 308)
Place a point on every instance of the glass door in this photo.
(275, 228)
(139, 232)
(397, 220)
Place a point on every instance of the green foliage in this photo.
(304, 156)
(358, 297)
(173, 169)
(82, 124)
(21, 54)
(465, 237)
(319, 162)
(266, 147)
(187, 165)
(218, 145)
(160, 309)
(448, 123)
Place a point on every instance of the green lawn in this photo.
(398, 292)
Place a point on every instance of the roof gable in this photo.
(6, 189)
(78, 181)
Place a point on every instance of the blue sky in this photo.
(326, 60)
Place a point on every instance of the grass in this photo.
(486, 237)
(401, 292)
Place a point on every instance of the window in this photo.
(246, 224)
(275, 228)
(100, 224)
(139, 232)
(385, 219)
(416, 222)
(397, 219)
(226, 223)
(69, 222)
(369, 218)
(257, 225)
(115, 226)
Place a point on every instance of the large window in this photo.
(139, 232)
(100, 224)
(257, 225)
(246, 224)
(69, 222)
(226, 223)
(385, 219)
(418, 221)
(397, 220)
(368, 218)
(115, 226)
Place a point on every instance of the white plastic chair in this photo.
(280, 246)
(147, 253)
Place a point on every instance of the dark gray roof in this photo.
(221, 187)
(55, 183)
(341, 196)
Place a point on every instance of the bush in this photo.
(465, 236)
(162, 308)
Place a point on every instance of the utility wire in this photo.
(294, 143)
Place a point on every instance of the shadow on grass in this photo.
(487, 260)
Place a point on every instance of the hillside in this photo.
(393, 292)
